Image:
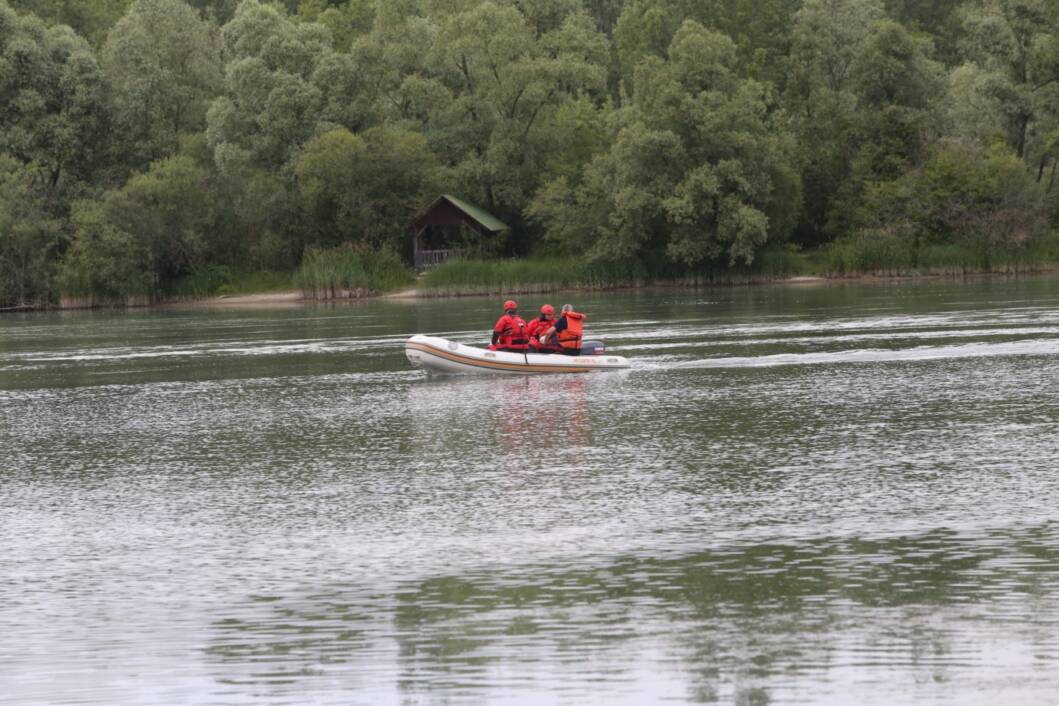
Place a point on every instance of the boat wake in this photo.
(880, 355)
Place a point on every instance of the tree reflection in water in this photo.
(733, 624)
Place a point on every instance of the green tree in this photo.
(53, 101)
(168, 217)
(760, 30)
(104, 263)
(164, 65)
(939, 19)
(702, 165)
(485, 82)
(971, 110)
(827, 38)
(862, 96)
(91, 19)
(346, 21)
(896, 83)
(898, 117)
(577, 132)
(511, 77)
(30, 237)
(618, 210)
(605, 13)
(271, 106)
(215, 11)
(1014, 45)
(365, 188)
(173, 208)
(978, 198)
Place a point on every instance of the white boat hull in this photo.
(444, 357)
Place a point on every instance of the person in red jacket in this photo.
(566, 332)
(509, 334)
(538, 326)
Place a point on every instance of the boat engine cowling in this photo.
(593, 348)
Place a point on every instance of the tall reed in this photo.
(891, 256)
(848, 257)
(347, 272)
(529, 276)
(535, 275)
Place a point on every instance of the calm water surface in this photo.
(821, 495)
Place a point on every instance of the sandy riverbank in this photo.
(291, 298)
(265, 299)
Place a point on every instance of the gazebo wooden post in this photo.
(416, 234)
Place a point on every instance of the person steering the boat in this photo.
(538, 326)
(565, 333)
(509, 334)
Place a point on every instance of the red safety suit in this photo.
(535, 330)
(509, 334)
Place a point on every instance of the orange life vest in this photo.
(570, 337)
(512, 330)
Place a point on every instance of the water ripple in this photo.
(796, 496)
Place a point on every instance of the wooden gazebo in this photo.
(432, 238)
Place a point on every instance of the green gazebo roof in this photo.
(484, 218)
(433, 214)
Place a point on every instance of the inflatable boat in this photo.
(440, 356)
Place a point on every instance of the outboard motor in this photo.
(593, 348)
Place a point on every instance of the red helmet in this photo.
(510, 304)
(548, 309)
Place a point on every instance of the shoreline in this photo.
(295, 298)
(413, 294)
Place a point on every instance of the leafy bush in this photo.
(219, 280)
(257, 282)
(204, 281)
(30, 238)
(789, 261)
(104, 264)
(967, 208)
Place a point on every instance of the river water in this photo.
(821, 494)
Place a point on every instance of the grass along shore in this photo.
(350, 273)
(842, 260)
(344, 273)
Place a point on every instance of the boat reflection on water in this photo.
(547, 408)
(523, 415)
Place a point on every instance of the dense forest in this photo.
(145, 142)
